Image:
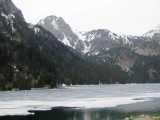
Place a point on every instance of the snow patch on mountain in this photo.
(106, 49)
(95, 53)
(66, 41)
(10, 20)
(98, 41)
(41, 22)
(36, 30)
(113, 36)
(81, 35)
(126, 40)
(54, 23)
(87, 49)
(8, 17)
(152, 32)
(91, 37)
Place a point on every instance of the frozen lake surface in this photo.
(83, 96)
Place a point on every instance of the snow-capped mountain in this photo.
(102, 40)
(30, 56)
(104, 45)
(58, 27)
(85, 42)
(64, 33)
(95, 41)
(152, 32)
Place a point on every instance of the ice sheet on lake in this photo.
(22, 106)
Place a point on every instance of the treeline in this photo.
(35, 63)
(25, 67)
(31, 57)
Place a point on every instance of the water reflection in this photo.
(78, 114)
(61, 113)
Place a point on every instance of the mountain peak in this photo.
(152, 32)
(58, 27)
(51, 19)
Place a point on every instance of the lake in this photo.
(81, 102)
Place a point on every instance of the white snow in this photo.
(54, 23)
(20, 102)
(113, 36)
(4, 15)
(9, 18)
(81, 36)
(66, 41)
(95, 53)
(87, 48)
(91, 37)
(36, 30)
(126, 40)
(107, 49)
(41, 22)
(12, 27)
(21, 107)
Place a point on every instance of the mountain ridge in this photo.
(131, 53)
(31, 56)
(85, 39)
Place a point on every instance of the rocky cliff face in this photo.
(101, 43)
(30, 56)
(64, 33)
(131, 53)
(95, 41)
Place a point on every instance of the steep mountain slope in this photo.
(30, 56)
(95, 41)
(58, 27)
(99, 42)
(131, 53)
(96, 44)
(86, 43)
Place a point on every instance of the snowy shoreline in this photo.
(23, 107)
(92, 97)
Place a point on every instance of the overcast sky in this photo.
(120, 16)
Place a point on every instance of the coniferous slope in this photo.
(137, 55)
(31, 57)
